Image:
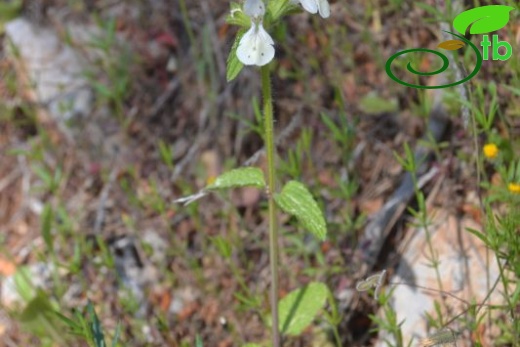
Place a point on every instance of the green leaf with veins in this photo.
(242, 177)
(296, 200)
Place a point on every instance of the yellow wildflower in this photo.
(490, 150)
(514, 188)
(211, 179)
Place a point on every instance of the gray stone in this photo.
(54, 69)
(462, 271)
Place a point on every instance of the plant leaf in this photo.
(47, 217)
(516, 91)
(39, 318)
(278, 8)
(223, 246)
(243, 177)
(237, 17)
(116, 334)
(102, 89)
(296, 200)
(95, 327)
(451, 45)
(23, 283)
(482, 20)
(298, 308)
(374, 104)
(234, 66)
(430, 9)
(8, 11)
(478, 234)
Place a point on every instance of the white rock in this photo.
(54, 69)
(462, 270)
(158, 245)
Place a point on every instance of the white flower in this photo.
(313, 6)
(256, 46)
(254, 8)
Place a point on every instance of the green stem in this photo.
(186, 21)
(333, 318)
(271, 187)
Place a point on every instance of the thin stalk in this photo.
(424, 224)
(478, 164)
(186, 22)
(333, 318)
(271, 187)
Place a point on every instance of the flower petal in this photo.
(254, 8)
(324, 8)
(310, 5)
(256, 46)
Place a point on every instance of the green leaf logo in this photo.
(482, 20)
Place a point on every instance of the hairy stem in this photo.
(271, 187)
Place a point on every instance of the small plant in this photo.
(113, 88)
(374, 281)
(254, 46)
(88, 327)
